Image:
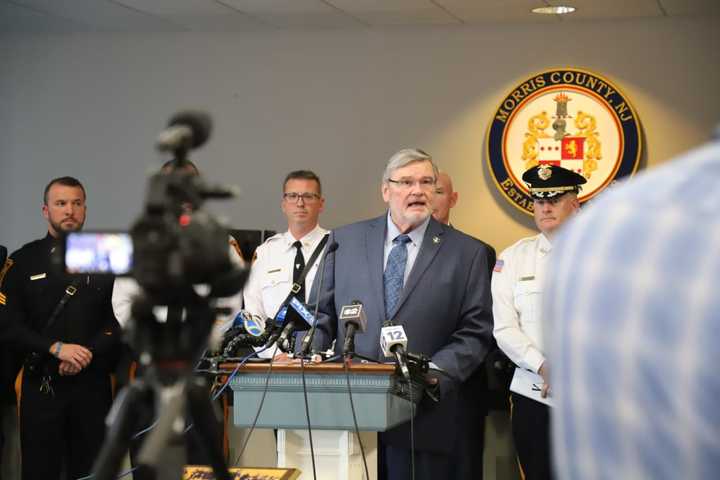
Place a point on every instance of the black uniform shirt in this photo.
(33, 287)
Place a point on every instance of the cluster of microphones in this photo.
(251, 332)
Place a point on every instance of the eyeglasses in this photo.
(426, 183)
(307, 197)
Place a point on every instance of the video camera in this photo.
(172, 248)
(174, 244)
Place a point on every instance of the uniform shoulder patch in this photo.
(236, 246)
(8, 264)
(499, 266)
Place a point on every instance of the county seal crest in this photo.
(567, 117)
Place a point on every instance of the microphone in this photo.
(307, 339)
(355, 320)
(254, 325)
(247, 330)
(296, 320)
(186, 130)
(277, 322)
(393, 342)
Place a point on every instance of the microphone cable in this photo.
(331, 247)
(412, 417)
(310, 334)
(412, 431)
(307, 415)
(355, 422)
(262, 402)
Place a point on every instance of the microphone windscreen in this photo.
(199, 123)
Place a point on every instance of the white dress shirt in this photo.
(517, 287)
(271, 274)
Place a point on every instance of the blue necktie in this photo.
(394, 274)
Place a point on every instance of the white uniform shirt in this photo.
(271, 274)
(126, 289)
(517, 287)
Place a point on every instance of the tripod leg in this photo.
(206, 424)
(160, 452)
(122, 426)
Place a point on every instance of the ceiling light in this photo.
(556, 10)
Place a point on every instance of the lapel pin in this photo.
(436, 239)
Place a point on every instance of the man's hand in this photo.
(77, 356)
(67, 368)
(545, 374)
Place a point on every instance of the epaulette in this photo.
(512, 248)
(522, 241)
(267, 241)
(32, 244)
(277, 236)
(28, 249)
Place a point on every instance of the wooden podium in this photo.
(337, 452)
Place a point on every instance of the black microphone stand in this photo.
(308, 338)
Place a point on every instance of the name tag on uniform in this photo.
(528, 278)
(39, 276)
(275, 270)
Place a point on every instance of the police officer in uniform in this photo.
(281, 259)
(64, 388)
(517, 286)
(7, 397)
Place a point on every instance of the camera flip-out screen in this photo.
(98, 253)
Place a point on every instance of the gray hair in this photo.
(405, 157)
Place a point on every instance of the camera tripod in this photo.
(168, 388)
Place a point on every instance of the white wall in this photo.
(337, 102)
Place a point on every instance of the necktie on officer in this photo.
(298, 267)
(394, 274)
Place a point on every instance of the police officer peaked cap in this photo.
(547, 181)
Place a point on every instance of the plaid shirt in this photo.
(634, 342)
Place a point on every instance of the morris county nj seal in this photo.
(567, 117)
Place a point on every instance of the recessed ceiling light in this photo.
(556, 10)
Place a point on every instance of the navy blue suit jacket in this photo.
(445, 308)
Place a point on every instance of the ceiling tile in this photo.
(201, 15)
(612, 9)
(251, 15)
(96, 15)
(280, 7)
(17, 19)
(396, 12)
(310, 20)
(495, 11)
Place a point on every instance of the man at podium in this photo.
(409, 270)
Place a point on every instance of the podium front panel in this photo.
(376, 408)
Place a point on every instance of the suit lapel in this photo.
(374, 244)
(431, 244)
